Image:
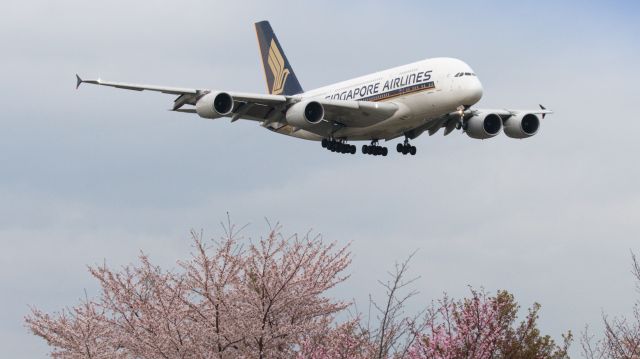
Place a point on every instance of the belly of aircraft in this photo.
(425, 107)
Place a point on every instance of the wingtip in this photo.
(543, 109)
(78, 81)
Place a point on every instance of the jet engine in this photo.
(214, 105)
(483, 125)
(306, 113)
(522, 125)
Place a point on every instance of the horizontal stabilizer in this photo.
(78, 81)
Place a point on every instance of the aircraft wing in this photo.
(506, 113)
(451, 120)
(264, 107)
(136, 87)
(249, 106)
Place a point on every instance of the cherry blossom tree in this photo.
(477, 327)
(231, 299)
(621, 339)
(79, 332)
(237, 298)
(483, 327)
(346, 340)
(392, 329)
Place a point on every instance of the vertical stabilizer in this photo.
(281, 80)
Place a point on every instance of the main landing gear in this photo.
(374, 149)
(337, 146)
(406, 148)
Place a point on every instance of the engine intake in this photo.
(304, 114)
(483, 126)
(522, 125)
(215, 105)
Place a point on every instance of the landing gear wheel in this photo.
(374, 150)
(339, 146)
(406, 148)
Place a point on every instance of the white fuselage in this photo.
(423, 90)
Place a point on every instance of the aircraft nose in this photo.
(474, 92)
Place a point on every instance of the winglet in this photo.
(78, 81)
(543, 109)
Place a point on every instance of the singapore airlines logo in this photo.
(276, 64)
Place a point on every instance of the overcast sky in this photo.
(102, 173)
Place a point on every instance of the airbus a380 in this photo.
(402, 102)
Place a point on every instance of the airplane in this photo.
(405, 101)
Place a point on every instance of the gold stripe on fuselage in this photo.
(402, 94)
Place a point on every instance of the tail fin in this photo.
(281, 80)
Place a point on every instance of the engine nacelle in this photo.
(522, 125)
(483, 126)
(305, 114)
(214, 105)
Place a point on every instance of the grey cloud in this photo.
(100, 174)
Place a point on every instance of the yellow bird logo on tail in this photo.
(276, 64)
